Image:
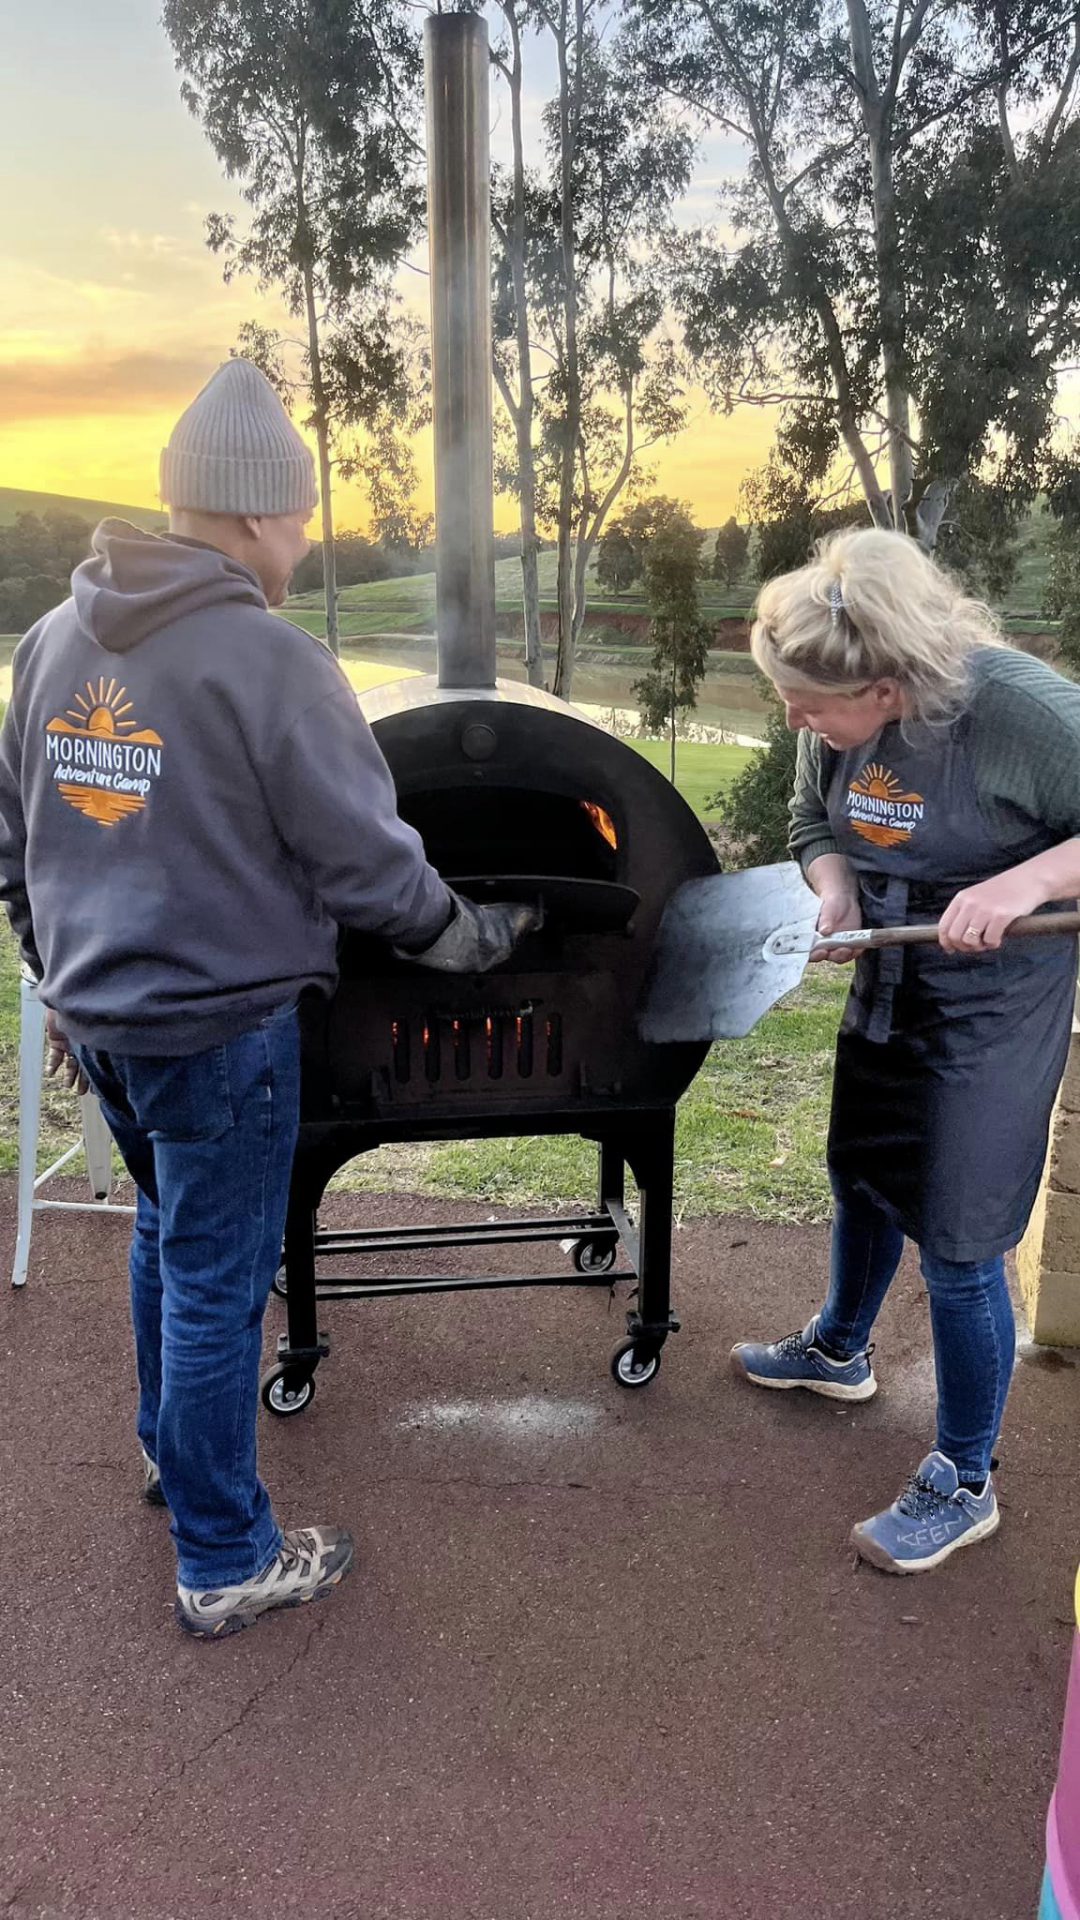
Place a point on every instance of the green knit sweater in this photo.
(1025, 750)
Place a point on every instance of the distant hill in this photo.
(16, 500)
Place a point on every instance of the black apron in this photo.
(947, 1065)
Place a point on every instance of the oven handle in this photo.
(570, 905)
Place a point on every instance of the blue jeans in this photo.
(970, 1313)
(208, 1139)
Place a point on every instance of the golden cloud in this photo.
(38, 389)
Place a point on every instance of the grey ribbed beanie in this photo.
(235, 450)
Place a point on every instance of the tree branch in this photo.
(1062, 101)
(506, 394)
(903, 42)
(981, 83)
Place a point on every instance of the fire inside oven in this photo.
(513, 830)
(512, 840)
(496, 1043)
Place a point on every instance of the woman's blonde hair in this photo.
(872, 606)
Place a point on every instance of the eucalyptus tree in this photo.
(587, 375)
(901, 265)
(313, 107)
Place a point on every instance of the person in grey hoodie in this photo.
(191, 803)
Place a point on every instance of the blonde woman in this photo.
(938, 778)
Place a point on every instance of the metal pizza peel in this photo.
(729, 947)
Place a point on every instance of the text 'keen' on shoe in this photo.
(310, 1562)
(932, 1518)
(796, 1362)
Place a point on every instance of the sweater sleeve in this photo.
(334, 804)
(13, 890)
(810, 834)
(1026, 746)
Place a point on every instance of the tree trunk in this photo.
(530, 595)
(524, 413)
(589, 531)
(673, 726)
(846, 410)
(877, 118)
(568, 120)
(931, 511)
(322, 435)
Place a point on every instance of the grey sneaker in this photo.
(152, 1492)
(310, 1562)
(933, 1516)
(796, 1362)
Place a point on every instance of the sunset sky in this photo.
(115, 313)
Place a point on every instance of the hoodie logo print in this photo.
(879, 809)
(103, 763)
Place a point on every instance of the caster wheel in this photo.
(285, 1393)
(633, 1365)
(595, 1256)
(280, 1283)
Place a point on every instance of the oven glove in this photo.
(477, 937)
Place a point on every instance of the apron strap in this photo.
(888, 961)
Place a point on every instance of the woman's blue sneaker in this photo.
(796, 1362)
(933, 1516)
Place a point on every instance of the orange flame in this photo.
(603, 823)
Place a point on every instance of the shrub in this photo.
(754, 811)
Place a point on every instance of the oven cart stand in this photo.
(641, 1139)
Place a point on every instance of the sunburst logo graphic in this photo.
(104, 763)
(879, 808)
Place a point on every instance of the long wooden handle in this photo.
(1028, 923)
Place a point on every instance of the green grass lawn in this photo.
(408, 605)
(700, 771)
(59, 1111)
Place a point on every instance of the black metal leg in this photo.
(643, 1142)
(651, 1153)
(300, 1270)
(612, 1184)
(289, 1386)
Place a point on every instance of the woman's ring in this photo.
(970, 931)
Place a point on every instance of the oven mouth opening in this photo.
(493, 831)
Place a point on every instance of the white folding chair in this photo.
(96, 1141)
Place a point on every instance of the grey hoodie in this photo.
(190, 803)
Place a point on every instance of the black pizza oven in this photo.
(517, 797)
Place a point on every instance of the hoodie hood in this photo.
(135, 583)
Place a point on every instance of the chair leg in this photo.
(31, 1060)
(98, 1148)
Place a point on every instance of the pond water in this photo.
(730, 697)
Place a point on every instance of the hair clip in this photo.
(836, 600)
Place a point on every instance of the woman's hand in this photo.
(976, 920)
(840, 913)
(61, 1063)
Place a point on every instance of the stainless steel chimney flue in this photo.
(459, 228)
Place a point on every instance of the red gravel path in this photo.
(604, 1654)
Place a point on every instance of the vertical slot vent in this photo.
(399, 1036)
(524, 1035)
(491, 1045)
(432, 1050)
(462, 1050)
